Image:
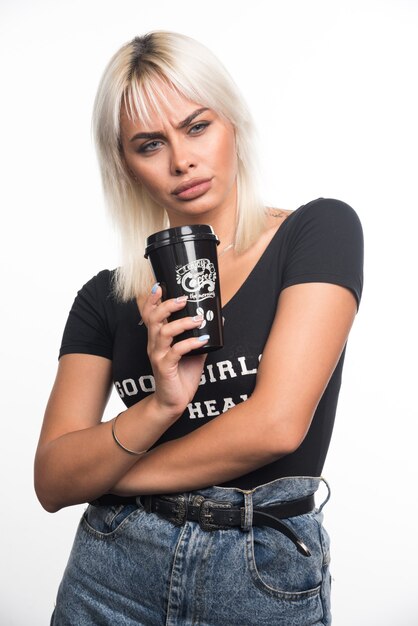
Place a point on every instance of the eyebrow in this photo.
(182, 124)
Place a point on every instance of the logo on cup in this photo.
(197, 279)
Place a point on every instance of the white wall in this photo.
(332, 85)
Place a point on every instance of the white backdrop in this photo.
(333, 88)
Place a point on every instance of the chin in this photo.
(196, 207)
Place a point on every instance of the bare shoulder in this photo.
(274, 220)
(275, 217)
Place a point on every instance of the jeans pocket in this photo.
(278, 568)
(109, 520)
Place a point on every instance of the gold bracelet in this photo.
(115, 437)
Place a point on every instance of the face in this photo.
(186, 161)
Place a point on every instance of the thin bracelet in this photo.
(115, 437)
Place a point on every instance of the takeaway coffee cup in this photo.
(185, 263)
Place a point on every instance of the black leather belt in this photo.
(217, 515)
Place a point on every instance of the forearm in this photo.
(231, 445)
(81, 465)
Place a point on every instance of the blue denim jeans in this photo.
(129, 567)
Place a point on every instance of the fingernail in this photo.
(197, 318)
(154, 288)
(182, 299)
(203, 337)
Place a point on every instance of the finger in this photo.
(151, 301)
(160, 313)
(148, 303)
(181, 348)
(164, 337)
(154, 311)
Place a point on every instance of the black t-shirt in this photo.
(319, 242)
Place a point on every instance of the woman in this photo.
(189, 486)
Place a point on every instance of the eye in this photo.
(151, 146)
(198, 128)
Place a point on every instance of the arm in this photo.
(305, 343)
(77, 459)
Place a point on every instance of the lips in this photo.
(192, 188)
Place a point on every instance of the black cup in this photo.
(185, 263)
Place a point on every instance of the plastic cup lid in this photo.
(179, 234)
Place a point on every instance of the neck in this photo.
(222, 219)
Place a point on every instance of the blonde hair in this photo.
(133, 79)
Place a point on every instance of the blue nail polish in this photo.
(203, 337)
(154, 288)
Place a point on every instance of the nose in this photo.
(182, 159)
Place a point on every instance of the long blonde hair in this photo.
(133, 78)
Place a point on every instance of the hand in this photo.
(176, 379)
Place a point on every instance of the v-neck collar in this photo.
(269, 246)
